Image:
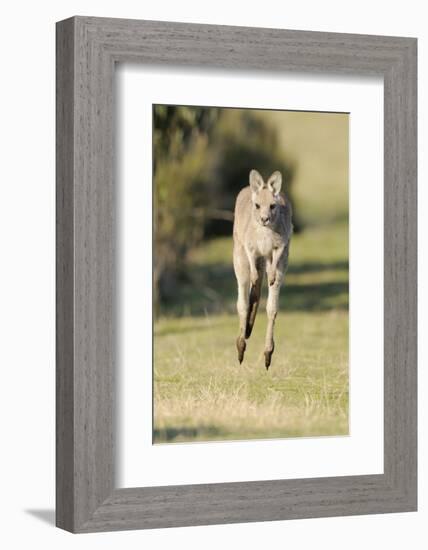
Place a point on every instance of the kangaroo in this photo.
(261, 238)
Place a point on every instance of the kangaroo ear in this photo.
(274, 183)
(256, 181)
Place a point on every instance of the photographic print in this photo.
(250, 274)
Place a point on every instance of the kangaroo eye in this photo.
(272, 206)
(257, 206)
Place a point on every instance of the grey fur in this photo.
(261, 239)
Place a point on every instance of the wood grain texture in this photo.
(87, 49)
(64, 276)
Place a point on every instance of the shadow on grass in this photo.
(211, 434)
(314, 297)
(181, 329)
(313, 267)
(184, 433)
(211, 289)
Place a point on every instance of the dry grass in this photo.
(202, 393)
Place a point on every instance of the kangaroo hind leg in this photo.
(243, 308)
(272, 310)
(254, 300)
(242, 272)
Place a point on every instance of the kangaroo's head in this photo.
(265, 197)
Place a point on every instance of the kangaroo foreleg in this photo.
(272, 266)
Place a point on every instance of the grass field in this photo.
(201, 392)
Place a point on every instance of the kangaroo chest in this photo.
(265, 241)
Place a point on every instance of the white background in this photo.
(362, 451)
(27, 273)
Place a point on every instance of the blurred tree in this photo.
(244, 140)
(201, 159)
(181, 166)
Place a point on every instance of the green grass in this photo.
(317, 144)
(317, 277)
(202, 393)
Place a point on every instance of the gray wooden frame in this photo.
(87, 50)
